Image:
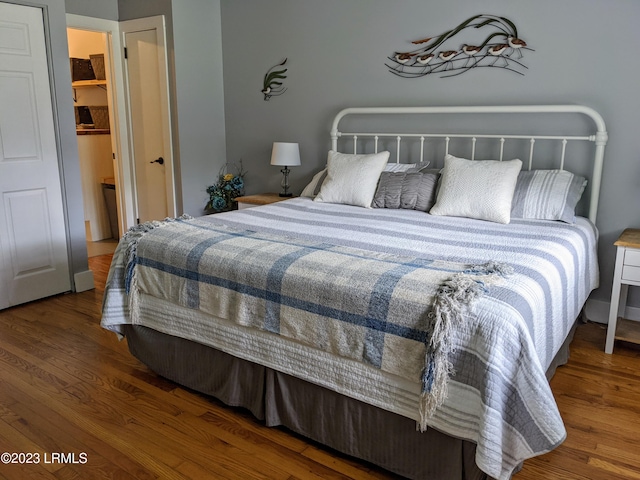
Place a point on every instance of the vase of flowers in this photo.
(230, 185)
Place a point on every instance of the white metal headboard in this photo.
(599, 137)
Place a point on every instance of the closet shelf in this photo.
(88, 83)
(93, 131)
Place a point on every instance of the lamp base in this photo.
(285, 182)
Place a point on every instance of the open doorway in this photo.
(91, 96)
(131, 142)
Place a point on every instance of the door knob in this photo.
(159, 160)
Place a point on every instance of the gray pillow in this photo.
(410, 190)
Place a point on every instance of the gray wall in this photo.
(105, 9)
(199, 98)
(336, 51)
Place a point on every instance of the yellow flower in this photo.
(228, 177)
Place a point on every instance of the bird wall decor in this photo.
(271, 84)
(491, 41)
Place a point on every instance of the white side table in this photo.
(627, 272)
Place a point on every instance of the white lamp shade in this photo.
(285, 154)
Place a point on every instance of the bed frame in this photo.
(599, 137)
(354, 427)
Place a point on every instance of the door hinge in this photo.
(138, 220)
(125, 53)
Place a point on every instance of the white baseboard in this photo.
(84, 281)
(598, 311)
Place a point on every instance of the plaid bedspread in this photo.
(498, 395)
(393, 312)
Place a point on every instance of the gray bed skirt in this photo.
(353, 427)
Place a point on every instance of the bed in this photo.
(433, 323)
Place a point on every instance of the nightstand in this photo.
(249, 201)
(627, 272)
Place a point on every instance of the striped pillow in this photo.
(547, 195)
(313, 188)
(405, 167)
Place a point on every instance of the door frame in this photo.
(119, 114)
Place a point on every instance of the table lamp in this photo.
(285, 155)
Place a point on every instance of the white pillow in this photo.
(312, 189)
(352, 179)
(481, 189)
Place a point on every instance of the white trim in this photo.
(598, 311)
(117, 112)
(83, 281)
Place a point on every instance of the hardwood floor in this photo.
(69, 387)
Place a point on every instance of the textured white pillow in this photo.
(313, 187)
(481, 189)
(352, 179)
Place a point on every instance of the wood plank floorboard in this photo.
(68, 386)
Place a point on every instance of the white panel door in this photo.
(33, 240)
(148, 95)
